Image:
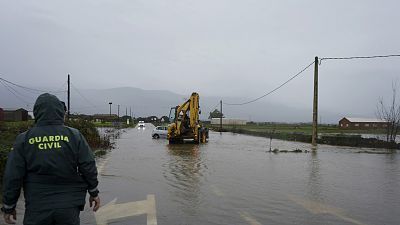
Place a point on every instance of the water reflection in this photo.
(314, 190)
(231, 180)
(184, 174)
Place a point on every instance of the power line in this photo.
(275, 89)
(76, 89)
(17, 92)
(28, 88)
(215, 107)
(13, 92)
(358, 57)
(59, 89)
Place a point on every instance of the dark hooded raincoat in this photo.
(52, 162)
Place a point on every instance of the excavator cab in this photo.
(172, 113)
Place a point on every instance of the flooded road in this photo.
(232, 179)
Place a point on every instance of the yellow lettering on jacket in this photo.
(48, 142)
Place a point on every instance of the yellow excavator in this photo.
(185, 124)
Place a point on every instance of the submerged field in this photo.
(327, 134)
(298, 128)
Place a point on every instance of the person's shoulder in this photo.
(22, 135)
(20, 139)
(73, 130)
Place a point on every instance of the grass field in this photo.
(296, 128)
(327, 134)
(8, 133)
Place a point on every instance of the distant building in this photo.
(1, 114)
(361, 123)
(15, 114)
(227, 121)
(81, 117)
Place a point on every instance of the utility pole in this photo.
(118, 113)
(126, 111)
(315, 107)
(130, 115)
(69, 97)
(220, 118)
(110, 108)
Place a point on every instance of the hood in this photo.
(48, 110)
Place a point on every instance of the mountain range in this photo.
(142, 102)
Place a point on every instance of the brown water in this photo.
(233, 180)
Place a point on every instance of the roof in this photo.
(364, 120)
(14, 109)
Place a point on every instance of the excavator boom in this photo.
(186, 122)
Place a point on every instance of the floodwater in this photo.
(233, 179)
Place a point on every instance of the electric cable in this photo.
(359, 57)
(11, 91)
(28, 88)
(215, 107)
(17, 92)
(60, 89)
(87, 100)
(273, 90)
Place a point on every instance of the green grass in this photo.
(296, 128)
(328, 134)
(102, 124)
(8, 132)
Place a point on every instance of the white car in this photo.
(141, 124)
(160, 132)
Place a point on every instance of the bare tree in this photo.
(391, 114)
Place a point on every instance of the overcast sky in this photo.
(216, 47)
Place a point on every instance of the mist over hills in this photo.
(158, 102)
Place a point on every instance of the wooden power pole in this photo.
(69, 97)
(315, 107)
(220, 118)
(118, 113)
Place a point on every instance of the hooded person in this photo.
(55, 167)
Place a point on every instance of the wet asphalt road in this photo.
(232, 179)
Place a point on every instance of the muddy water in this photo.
(233, 180)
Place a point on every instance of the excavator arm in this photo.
(186, 123)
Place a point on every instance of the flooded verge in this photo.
(337, 139)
